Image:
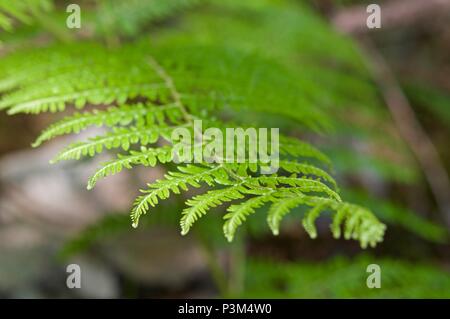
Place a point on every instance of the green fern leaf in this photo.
(280, 208)
(174, 181)
(147, 157)
(237, 214)
(114, 116)
(303, 184)
(118, 138)
(296, 148)
(201, 204)
(310, 218)
(308, 170)
(146, 92)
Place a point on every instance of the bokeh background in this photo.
(387, 95)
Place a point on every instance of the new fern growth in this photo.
(140, 94)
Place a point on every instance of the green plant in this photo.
(344, 278)
(118, 18)
(140, 70)
(90, 75)
(23, 11)
(142, 92)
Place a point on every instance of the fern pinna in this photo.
(142, 93)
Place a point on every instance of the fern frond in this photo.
(190, 175)
(237, 214)
(357, 222)
(201, 204)
(304, 185)
(148, 157)
(94, 95)
(282, 207)
(310, 218)
(308, 170)
(296, 148)
(149, 91)
(124, 115)
(89, 74)
(118, 138)
(31, 67)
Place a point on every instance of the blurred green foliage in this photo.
(345, 278)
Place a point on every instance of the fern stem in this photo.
(237, 267)
(217, 273)
(177, 99)
(171, 86)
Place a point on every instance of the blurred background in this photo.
(386, 92)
